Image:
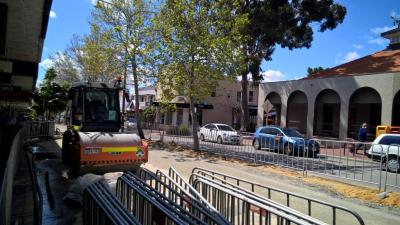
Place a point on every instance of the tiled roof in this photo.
(380, 62)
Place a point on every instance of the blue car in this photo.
(285, 140)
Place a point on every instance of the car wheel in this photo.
(288, 149)
(393, 164)
(256, 144)
(202, 137)
(219, 140)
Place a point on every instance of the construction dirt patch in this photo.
(366, 194)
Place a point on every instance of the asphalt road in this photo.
(184, 163)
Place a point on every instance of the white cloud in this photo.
(379, 30)
(273, 75)
(94, 2)
(269, 76)
(394, 14)
(299, 77)
(350, 56)
(357, 46)
(46, 64)
(53, 14)
(378, 41)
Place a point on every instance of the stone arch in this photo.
(272, 109)
(365, 106)
(396, 110)
(327, 113)
(297, 109)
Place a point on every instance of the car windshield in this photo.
(292, 133)
(225, 128)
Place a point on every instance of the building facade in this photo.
(147, 95)
(223, 106)
(335, 102)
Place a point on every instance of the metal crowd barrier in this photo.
(243, 208)
(151, 206)
(287, 198)
(40, 128)
(184, 199)
(346, 160)
(101, 207)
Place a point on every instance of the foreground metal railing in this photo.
(201, 210)
(347, 160)
(36, 129)
(324, 211)
(208, 198)
(242, 208)
(150, 206)
(101, 207)
(7, 177)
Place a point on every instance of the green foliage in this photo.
(149, 114)
(184, 130)
(311, 71)
(197, 45)
(289, 25)
(50, 97)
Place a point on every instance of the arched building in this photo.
(336, 101)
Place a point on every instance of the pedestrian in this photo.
(362, 136)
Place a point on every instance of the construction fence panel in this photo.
(347, 160)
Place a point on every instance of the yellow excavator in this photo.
(93, 141)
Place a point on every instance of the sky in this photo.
(357, 36)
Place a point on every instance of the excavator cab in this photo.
(94, 107)
(92, 141)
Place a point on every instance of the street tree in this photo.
(311, 71)
(285, 23)
(198, 47)
(130, 28)
(50, 98)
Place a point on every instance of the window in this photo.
(250, 96)
(210, 126)
(390, 140)
(101, 105)
(213, 94)
(180, 116)
(142, 98)
(239, 96)
(225, 128)
(265, 130)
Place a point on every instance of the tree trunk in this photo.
(244, 117)
(194, 124)
(137, 111)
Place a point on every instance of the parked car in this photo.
(131, 124)
(221, 133)
(286, 140)
(386, 147)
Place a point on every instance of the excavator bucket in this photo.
(106, 152)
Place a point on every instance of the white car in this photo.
(387, 147)
(221, 133)
(131, 125)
